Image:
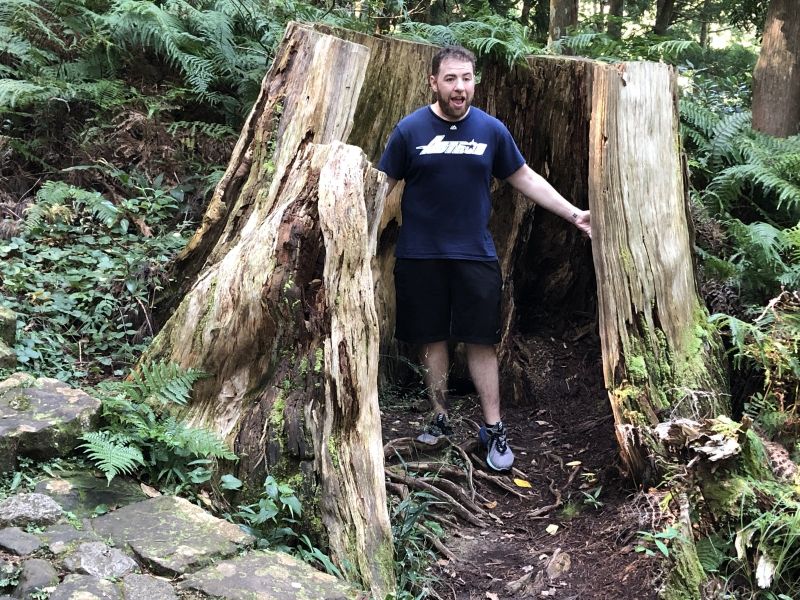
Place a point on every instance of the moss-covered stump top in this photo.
(267, 576)
(85, 495)
(41, 418)
(171, 535)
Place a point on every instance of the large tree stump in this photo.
(660, 357)
(282, 314)
(290, 303)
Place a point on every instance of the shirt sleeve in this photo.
(508, 159)
(394, 159)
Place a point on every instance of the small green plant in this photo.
(660, 540)
(413, 555)
(592, 497)
(272, 518)
(141, 434)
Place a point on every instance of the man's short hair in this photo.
(456, 52)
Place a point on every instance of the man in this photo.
(447, 278)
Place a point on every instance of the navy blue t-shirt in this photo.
(448, 168)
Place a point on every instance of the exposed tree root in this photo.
(456, 507)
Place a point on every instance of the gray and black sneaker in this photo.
(436, 429)
(498, 455)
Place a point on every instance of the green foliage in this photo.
(112, 453)
(141, 436)
(503, 38)
(273, 519)
(413, 555)
(78, 277)
(770, 344)
(661, 540)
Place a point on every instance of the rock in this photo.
(558, 566)
(8, 326)
(146, 587)
(25, 509)
(63, 536)
(36, 575)
(19, 542)
(82, 493)
(171, 535)
(99, 560)
(85, 587)
(8, 358)
(42, 419)
(266, 574)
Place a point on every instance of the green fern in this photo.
(57, 200)
(194, 441)
(162, 383)
(112, 454)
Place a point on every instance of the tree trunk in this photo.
(283, 314)
(546, 263)
(660, 359)
(294, 304)
(616, 9)
(776, 78)
(563, 15)
(664, 10)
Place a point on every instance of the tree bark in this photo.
(776, 78)
(563, 15)
(283, 315)
(546, 263)
(660, 359)
(664, 10)
(616, 9)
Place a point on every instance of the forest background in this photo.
(118, 117)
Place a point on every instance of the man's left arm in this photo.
(528, 182)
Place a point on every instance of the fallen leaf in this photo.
(491, 505)
(149, 491)
(574, 463)
(552, 529)
(492, 596)
(522, 483)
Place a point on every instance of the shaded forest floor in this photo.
(573, 533)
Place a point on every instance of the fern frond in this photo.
(163, 382)
(195, 441)
(55, 194)
(112, 455)
(698, 117)
(673, 48)
(726, 130)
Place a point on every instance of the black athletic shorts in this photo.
(442, 299)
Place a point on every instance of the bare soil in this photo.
(573, 533)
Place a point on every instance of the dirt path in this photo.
(565, 447)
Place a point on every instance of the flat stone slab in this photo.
(63, 537)
(99, 560)
(19, 542)
(42, 418)
(26, 509)
(266, 575)
(85, 587)
(85, 495)
(171, 535)
(146, 587)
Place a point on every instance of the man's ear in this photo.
(432, 81)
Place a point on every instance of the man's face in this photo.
(454, 87)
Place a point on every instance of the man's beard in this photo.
(449, 111)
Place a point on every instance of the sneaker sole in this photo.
(429, 439)
(488, 462)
